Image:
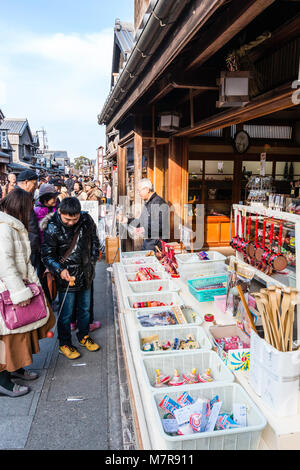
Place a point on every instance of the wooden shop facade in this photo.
(204, 88)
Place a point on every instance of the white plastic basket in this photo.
(133, 268)
(185, 363)
(161, 285)
(140, 260)
(192, 318)
(134, 254)
(190, 273)
(246, 438)
(167, 298)
(170, 333)
(190, 264)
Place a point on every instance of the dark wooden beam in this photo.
(234, 19)
(280, 36)
(250, 157)
(271, 102)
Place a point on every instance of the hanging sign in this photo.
(263, 158)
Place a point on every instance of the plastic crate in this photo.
(200, 272)
(192, 318)
(207, 295)
(167, 298)
(138, 260)
(133, 268)
(153, 286)
(246, 438)
(135, 254)
(185, 363)
(192, 258)
(170, 333)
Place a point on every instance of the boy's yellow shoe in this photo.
(89, 344)
(70, 352)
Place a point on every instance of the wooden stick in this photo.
(273, 324)
(276, 316)
(249, 315)
(261, 310)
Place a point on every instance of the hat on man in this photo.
(56, 181)
(48, 189)
(27, 175)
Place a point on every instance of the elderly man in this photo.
(154, 221)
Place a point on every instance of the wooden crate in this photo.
(111, 250)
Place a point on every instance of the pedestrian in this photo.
(69, 183)
(27, 180)
(47, 204)
(79, 192)
(92, 192)
(15, 267)
(36, 192)
(108, 193)
(60, 187)
(70, 251)
(10, 185)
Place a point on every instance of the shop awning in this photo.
(17, 167)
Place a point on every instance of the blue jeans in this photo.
(80, 301)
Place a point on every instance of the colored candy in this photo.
(195, 422)
(169, 405)
(185, 400)
(206, 377)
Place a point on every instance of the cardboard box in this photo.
(112, 252)
(237, 359)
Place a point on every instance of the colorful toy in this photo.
(191, 378)
(176, 380)
(206, 377)
(195, 422)
(161, 380)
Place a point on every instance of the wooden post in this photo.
(138, 173)
(159, 170)
(121, 159)
(177, 180)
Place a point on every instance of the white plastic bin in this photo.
(274, 375)
(190, 263)
(161, 285)
(191, 272)
(170, 333)
(192, 318)
(167, 298)
(140, 260)
(185, 363)
(133, 268)
(135, 254)
(246, 438)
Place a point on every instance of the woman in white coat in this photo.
(17, 346)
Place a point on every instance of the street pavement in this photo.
(75, 405)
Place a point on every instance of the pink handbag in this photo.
(15, 316)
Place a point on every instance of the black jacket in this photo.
(155, 219)
(34, 234)
(81, 262)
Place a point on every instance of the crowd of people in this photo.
(49, 249)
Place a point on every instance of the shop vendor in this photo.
(154, 222)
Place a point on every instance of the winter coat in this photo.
(34, 234)
(15, 267)
(94, 194)
(81, 195)
(81, 262)
(41, 212)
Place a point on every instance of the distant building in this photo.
(57, 160)
(24, 144)
(5, 150)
